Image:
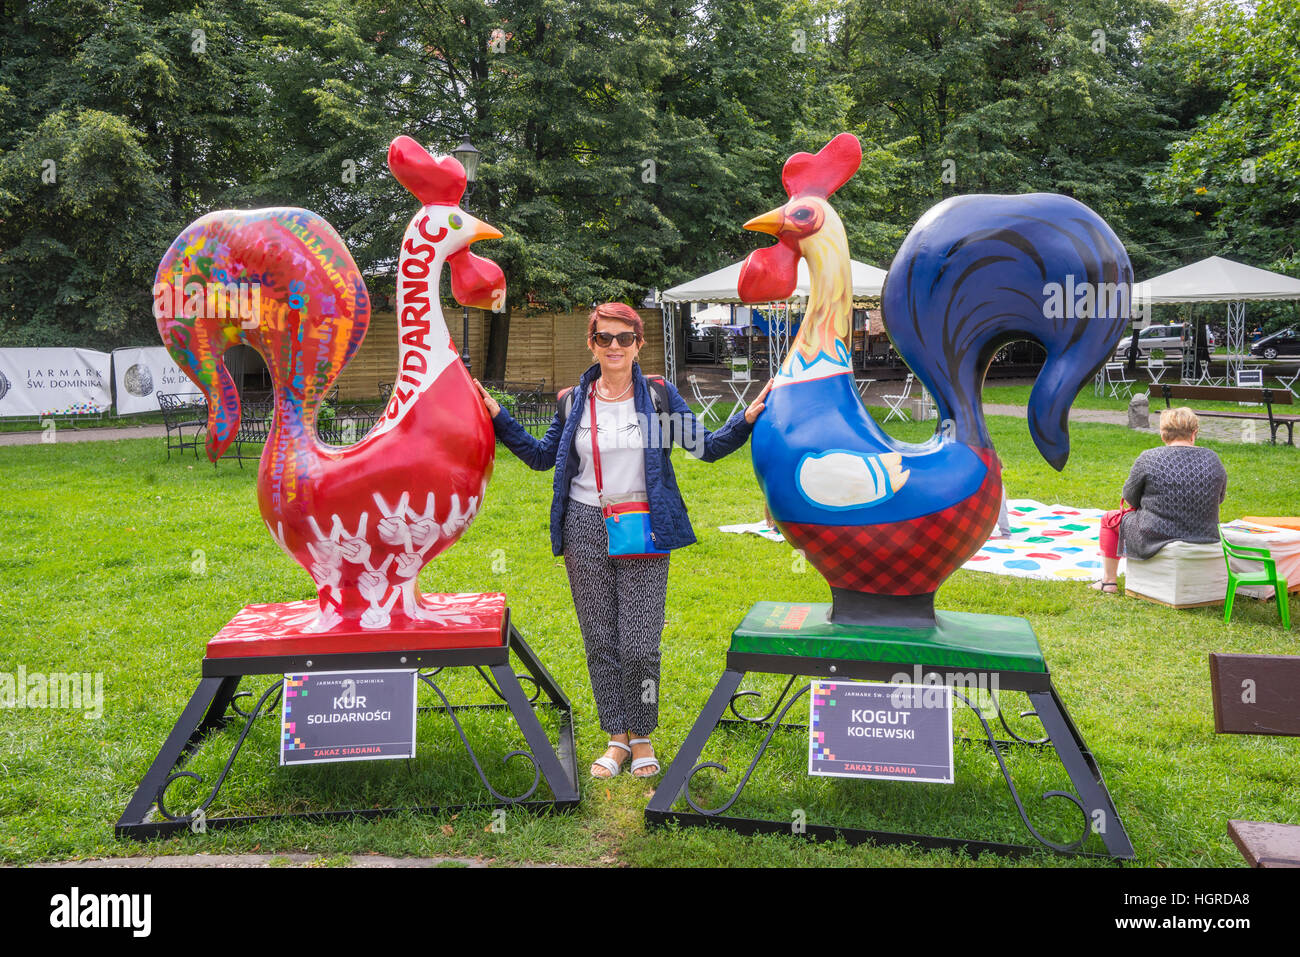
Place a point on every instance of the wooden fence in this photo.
(549, 346)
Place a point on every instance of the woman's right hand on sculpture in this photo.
(489, 403)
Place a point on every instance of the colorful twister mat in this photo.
(1050, 542)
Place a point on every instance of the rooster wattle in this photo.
(365, 519)
(887, 522)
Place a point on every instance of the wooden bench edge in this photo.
(1264, 853)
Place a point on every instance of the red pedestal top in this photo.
(455, 621)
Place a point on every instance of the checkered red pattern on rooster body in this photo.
(913, 557)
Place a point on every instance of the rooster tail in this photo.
(978, 272)
(195, 339)
(279, 280)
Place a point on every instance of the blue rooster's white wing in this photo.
(841, 479)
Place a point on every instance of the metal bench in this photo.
(181, 411)
(349, 425)
(254, 426)
(531, 406)
(1268, 397)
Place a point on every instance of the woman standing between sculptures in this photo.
(599, 484)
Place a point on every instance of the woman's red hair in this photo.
(620, 311)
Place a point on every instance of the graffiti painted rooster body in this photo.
(887, 522)
(365, 519)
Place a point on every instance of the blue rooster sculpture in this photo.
(886, 522)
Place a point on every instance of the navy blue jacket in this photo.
(669, 525)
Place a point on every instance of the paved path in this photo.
(85, 435)
(1076, 415)
(1221, 430)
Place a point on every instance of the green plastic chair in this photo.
(1268, 576)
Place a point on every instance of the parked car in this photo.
(1284, 342)
(1169, 338)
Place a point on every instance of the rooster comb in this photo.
(807, 175)
(434, 181)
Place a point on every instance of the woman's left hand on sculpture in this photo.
(491, 404)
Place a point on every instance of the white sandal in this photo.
(639, 763)
(609, 764)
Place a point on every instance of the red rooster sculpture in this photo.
(365, 519)
(886, 522)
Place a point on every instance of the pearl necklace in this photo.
(611, 398)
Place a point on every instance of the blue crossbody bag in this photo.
(627, 517)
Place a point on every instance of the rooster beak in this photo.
(770, 222)
(481, 230)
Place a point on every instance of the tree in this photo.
(1009, 96)
(1238, 172)
(130, 118)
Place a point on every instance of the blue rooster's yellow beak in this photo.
(770, 222)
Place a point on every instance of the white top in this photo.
(1217, 280)
(622, 452)
(721, 285)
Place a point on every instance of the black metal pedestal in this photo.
(1093, 800)
(215, 703)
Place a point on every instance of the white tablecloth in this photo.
(1283, 544)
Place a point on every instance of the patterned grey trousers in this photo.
(620, 604)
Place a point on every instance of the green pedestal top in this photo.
(958, 640)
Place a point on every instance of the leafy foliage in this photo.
(1239, 170)
(624, 141)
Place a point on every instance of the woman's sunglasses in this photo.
(607, 339)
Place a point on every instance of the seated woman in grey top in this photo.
(1173, 494)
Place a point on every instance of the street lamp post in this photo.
(468, 157)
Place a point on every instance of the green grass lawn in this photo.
(100, 565)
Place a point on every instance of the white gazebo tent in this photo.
(722, 286)
(1218, 280)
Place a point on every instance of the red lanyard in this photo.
(595, 449)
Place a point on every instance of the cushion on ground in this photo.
(1181, 574)
(958, 640)
(1275, 521)
(1283, 544)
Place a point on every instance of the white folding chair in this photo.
(1206, 378)
(1156, 368)
(740, 383)
(896, 401)
(925, 407)
(1289, 384)
(1119, 382)
(706, 401)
